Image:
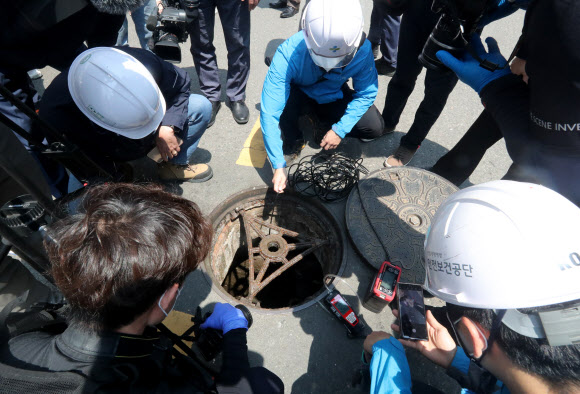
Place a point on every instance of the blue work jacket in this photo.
(292, 65)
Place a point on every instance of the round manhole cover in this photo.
(389, 213)
(271, 251)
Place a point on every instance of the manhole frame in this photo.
(221, 211)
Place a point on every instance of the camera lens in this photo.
(446, 36)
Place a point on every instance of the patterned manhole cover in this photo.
(389, 213)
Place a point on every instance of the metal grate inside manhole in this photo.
(272, 251)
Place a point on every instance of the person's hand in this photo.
(370, 341)
(167, 143)
(330, 140)
(440, 348)
(468, 69)
(279, 180)
(225, 318)
(252, 4)
(518, 67)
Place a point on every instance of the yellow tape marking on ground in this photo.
(178, 323)
(253, 153)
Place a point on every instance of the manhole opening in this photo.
(298, 283)
(293, 244)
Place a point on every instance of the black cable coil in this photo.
(329, 177)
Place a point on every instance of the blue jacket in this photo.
(292, 64)
(390, 372)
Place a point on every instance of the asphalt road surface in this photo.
(309, 349)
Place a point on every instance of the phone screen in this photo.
(412, 311)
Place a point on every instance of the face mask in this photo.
(159, 302)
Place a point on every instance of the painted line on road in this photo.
(253, 153)
(178, 323)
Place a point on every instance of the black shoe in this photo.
(401, 157)
(279, 4)
(289, 12)
(293, 152)
(240, 111)
(384, 68)
(386, 130)
(215, 108)
(375, 50)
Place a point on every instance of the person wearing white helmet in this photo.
(309, 72)
(118, 104)
(505, 256)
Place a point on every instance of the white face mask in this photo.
(159, 302)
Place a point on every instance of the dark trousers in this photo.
(384, 30)
(235, 19)
(369, 126)
(460, 162)
(418, 22)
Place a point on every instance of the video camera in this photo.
(458, 21)
(169, 28)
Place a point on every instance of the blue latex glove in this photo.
(468, 69)
(225, 318)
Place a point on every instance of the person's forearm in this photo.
(176, 93)
(469, 375)
(235, 357)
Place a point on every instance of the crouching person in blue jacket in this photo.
(309, 72)
(514, 338)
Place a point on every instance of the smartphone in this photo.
(412, 311)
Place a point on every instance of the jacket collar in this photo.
(81, 344)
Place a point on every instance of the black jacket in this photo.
(60, 111)
(540, 121)
(123, 363)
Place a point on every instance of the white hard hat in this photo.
(504, 245)
(332, 31)
(117, 92)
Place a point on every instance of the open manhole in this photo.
(271, 251)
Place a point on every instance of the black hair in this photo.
(559, 366)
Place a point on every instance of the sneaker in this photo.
(185, 173)
(293, 153)
(384, 68)
(402, 157)
(386, 130)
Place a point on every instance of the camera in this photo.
(210, 341)
(169, 28)
(458, 21)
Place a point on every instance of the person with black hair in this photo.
(511, 291)
(121, 262)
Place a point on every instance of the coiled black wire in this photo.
(329, 177)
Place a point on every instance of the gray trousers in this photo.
(235, 19)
